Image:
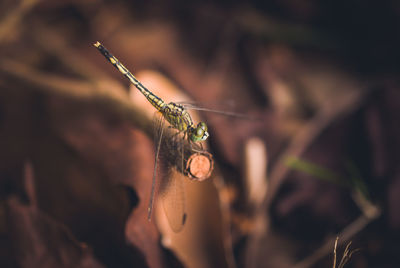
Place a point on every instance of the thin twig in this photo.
(347, 233)
(347, 255)
(335, 251)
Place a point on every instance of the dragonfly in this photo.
(182, 123)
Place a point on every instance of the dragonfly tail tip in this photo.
(97, 44)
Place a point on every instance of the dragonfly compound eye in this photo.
(202, 125)
(201, 131)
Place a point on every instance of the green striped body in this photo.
(174, 113)
(177, 116)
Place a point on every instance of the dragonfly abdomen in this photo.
(157, 102)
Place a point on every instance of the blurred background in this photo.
(315, 158)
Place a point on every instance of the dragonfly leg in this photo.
(183, 153)
(201, 150)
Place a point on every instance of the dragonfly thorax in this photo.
(177, 116)
(180, 119)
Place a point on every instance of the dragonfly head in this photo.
(199, 133)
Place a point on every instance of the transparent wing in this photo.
(168, 144)
(158, 125)
(193, 106)
(173, 199)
